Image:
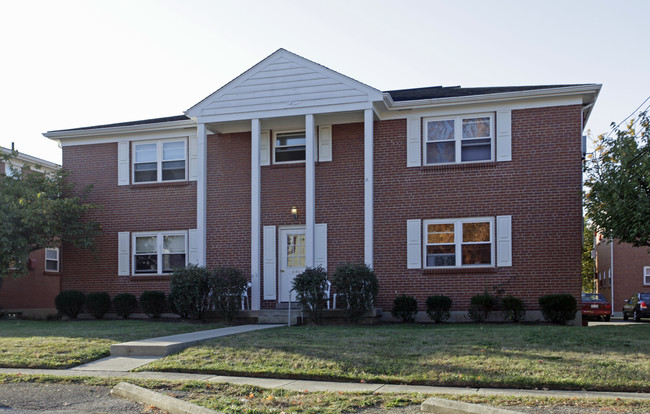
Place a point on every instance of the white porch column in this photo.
(256, 250)
(202, 172)
(368, 194)
(310, 189)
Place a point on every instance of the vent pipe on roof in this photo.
(12, 147)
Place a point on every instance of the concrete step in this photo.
(278, 316)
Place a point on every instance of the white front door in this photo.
(292, 259)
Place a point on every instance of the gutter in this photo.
(97, 132)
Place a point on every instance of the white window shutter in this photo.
(504, 240)
(269, 263)
(193, 158)
(414, 244)
(193, 246)
(504, 135)
(265, 148)
(413, 144)
(122, 163)
(325, 143)
(320, 245)
(123, 254)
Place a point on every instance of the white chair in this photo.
(327, 296)
(245, 304)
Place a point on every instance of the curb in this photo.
(164, 402)
(442, 406)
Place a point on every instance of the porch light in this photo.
(294, 212)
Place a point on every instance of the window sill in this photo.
(136, 186)
(46, 273)
(458, 167)
(145, 278)
(459, 270)
(287, 165)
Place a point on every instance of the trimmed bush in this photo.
(310, 287)
(481, 306)
(97, 304)
(125, 304)
(357, 288)
(152, 303)
(558, 309)
(513, 308)
(227, 286)
(405, 307)
(69, 303)
(190, 290)
(438, 308)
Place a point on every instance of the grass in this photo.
(614, 358)
(64, 344)
(230, 398)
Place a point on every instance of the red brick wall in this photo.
(628, 271)
(540, 188)
(133, 208)
(36, 290)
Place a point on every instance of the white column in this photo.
(256, 250)
(201, 209)
(310, 189)
(368, 194)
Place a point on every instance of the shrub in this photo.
(481, 306)
(559, 308)
(152, 303)
(125, 304)
(310, 288)
(438, 308)
(190, 290)
(357, 287)
(513, 308)
(405, 307)
(98, 303)
(69, 303)
(227, 287)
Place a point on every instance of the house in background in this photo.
(441, 190)
(621, 271)
(32, 294)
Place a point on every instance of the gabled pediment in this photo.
(284, 84)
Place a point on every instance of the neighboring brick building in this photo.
(32, 294)
(621, 271)
(442, 190)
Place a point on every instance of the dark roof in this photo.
(434, 92)
(141, 122)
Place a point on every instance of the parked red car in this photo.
(594, 305)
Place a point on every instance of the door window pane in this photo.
(295, 250)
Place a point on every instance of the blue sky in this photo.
(70, 63)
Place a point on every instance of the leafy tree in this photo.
(618, 183)
(39, 209)
(588, 267)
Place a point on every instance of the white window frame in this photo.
(646, 275)
(159, 159)
(458, 241)
(57, 260)
(458, 137)
(159, 250)
(274, 139)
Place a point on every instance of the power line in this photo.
(630, 115)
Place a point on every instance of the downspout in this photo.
(611, 269)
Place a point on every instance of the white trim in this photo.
(123, 253)
(458, 137)
(56, 260)
(320, 245)
(123, 163)
(504, 241)
(270, 264)
(504, 136)
(193, 247)
(414, 244)
(413, 139)
(201, 193)
(159, 249)
(368, 187)
(265, 148)
(310, 188)
(324, 143)
(274, 141)
(155, 129)
(159, 159)
(646, 275)
(458, 240)
(192, 158)
(255, 214)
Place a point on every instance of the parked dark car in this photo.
(638, 306)
(594, 305)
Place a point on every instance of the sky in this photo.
(68, 63)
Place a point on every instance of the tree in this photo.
(618, 184)
(39, 209)
(588, 267)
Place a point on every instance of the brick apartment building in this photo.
(32, 294)
(441, 190)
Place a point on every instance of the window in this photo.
(289, 146)
(52, 260)
(458, 139)
(646, 275)
(159, 253)
(159, 161)
(459, 242)
(12, 172)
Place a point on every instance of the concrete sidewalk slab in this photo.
(330, 386)
(164, 402)
(165, 345)
(442, 406)
(115, 364)
(258, 382)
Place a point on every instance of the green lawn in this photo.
(520, 356)
(63, 344)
